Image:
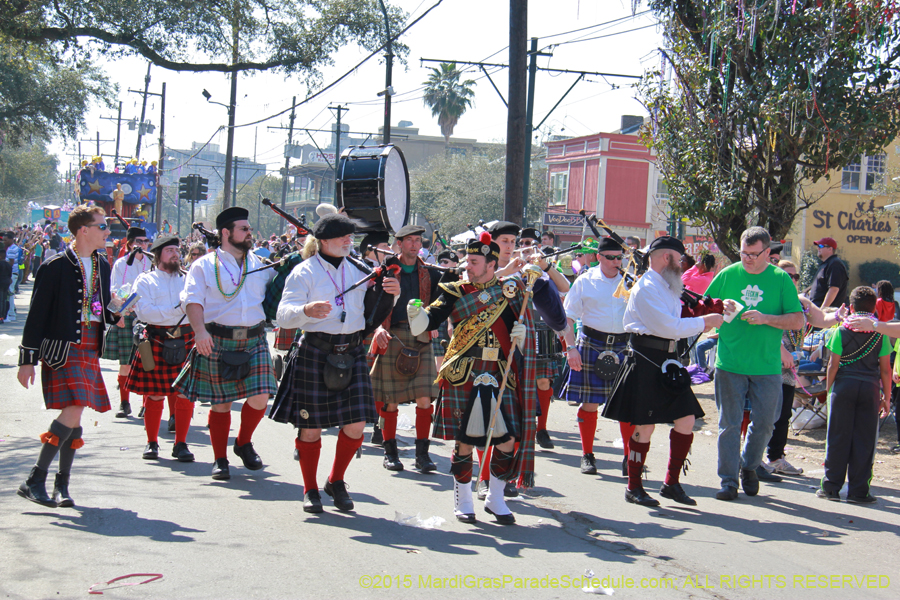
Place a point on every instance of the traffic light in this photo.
(202, 189)
(185, 187)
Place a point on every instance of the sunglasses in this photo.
(823, 246)
(612, 257)
(795, 276)
(141, 241)
(100, 226)
(196, 254)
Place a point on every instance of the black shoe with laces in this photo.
(510, 490)
(543, 440)
(676, 492)
(588, 464)
(124, 410)
(181, 453)
(171, 424)
(61, 491)
(312, 502)
(750, 482)
(251, 459)
(151, 452)
(391, 456)
(220, 471)
(35, 488)
(338, 491)
(640, 497)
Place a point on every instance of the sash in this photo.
(473, 314)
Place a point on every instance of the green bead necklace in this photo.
(240, 283)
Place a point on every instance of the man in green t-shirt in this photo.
(748, 359)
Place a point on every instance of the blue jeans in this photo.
(702, 348)
(733, 391)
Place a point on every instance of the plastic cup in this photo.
(730, 317)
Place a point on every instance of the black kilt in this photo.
(639, 397)
(305, 402)
(157, 382)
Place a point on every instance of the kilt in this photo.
(120, 341)
(584, 386)
(391, 387)
(284, 338)
(455, 405)
(157, 382)
(199, 380)
(443, 334)
(305, 402)
(548, 348)
(639, 396)
(79, 382)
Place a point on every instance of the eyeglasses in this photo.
(142, 241)
(612, 257)
(794, 276)
(752, 255)
(100, 226)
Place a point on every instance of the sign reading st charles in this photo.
(862, 225)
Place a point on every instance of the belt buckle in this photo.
(490, 354)
(239, 334)
(672, 346)
(340, 348)
(610, 339)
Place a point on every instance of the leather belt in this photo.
(602, 336)
(485, 354)
(325, 343)
(161, 331)
(236, 333)
(653, 343)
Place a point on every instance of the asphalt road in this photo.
(248, 538)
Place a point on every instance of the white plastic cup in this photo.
(730, 317)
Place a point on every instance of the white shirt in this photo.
(122, 273)
(309, 282)
(654, 309)
(243, 309)
(160, 298)
(591, 300)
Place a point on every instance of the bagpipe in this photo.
(692, 303)
(212, 240)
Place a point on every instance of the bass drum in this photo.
(373, 187)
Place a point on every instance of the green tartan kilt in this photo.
(200, 379)
(391, 387)
(120, 342)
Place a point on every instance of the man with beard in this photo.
(334, 326)
(748, 358)
(653, 387)
(159, 307)
(230, 359)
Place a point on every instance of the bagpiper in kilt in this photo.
(230, 359)
(64, 331)
(166, 340)
(403, 370)
(601, 344)
(651, 385)
(120, 339)
(326, 381)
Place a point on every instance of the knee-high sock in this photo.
(423, 422)
(250, 418)
(637, 456)
(219, 428)
(587, 427)
(123, 393)
(184, 410)
(173, 403)
(309, 462)
(745, 424)
(67, 451)
(56, 435)
(484, 464)
(544, 397)
(343, 453)
(389, 431)
(153, 410)
(679, 447)
(627, 430)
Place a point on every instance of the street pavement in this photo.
(249, 538)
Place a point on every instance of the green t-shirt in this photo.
(748, 349)
(865, 365)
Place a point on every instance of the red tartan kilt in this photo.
(157, 382)
(284, 338)
(79, 382)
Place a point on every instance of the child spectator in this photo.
(884, 305)
(859, 381)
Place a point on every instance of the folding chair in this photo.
(812, 398)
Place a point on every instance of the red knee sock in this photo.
(637, 455)
(250, 418)
(627, 430)
(343, 453)
(484, 464)
(679, 446)
(587, 427)
(123, 393)
(219, 428)
(184, 410)
(423, 422)
(745, 424)
(389, 431)
(173, 403)
(544, 397)
(309, 462)
(153, 410)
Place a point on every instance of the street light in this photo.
(229, 147)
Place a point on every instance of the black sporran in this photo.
(338, 371)
(675, 378)
(174, 351)
(607, 365)
(235, 365)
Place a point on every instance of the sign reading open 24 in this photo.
(862, 219)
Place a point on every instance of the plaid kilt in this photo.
(79, 382)
(304, 401)
(284, 338)
(157, 382)
(199, 380)
(393, 388)
(120, 341)
(443, 334)
(583, 386)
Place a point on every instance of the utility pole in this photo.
(529, 125)
(162, 157)
(337, 144)
(96, 141)
(229, 145)
(118, 121)
(234, 187)
(287, 161)
(137, 152)
(388, 65)
(515, 120)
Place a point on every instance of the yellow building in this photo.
(847, 212)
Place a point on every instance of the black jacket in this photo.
(54, 319)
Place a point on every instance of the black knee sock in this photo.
(67, 451)
(56, 435)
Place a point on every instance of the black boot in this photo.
(391, 456)
(424, 464)
(377, 437)
(35, 487)
(61, 491)
(124, 410)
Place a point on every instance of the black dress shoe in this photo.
(510, 490)
(312, 502)
(124, 410)
(727, 493)
(588, 465)
(509, 519)
(481, 489)
(151, 452)
(391, 456)
(338, 491)
(764, 475)
(676, 492)
(181, 453)
(543, 440)
(251, 459)
(466, 518)
(639, 496)
(750, 482)
(220, 470)
(35, 488)
(171, 424)
(424, 464)
(140, 414)
(61, 491)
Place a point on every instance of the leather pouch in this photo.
(408, 362)
(338, 369)
(174, 351)
(234, 364)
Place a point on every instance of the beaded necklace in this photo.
(239, 284)
(88, 305)
(863, 350)
(796, 336)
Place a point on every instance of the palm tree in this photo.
(447, 97)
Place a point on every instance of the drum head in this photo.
(373, 187)
(396, 189)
